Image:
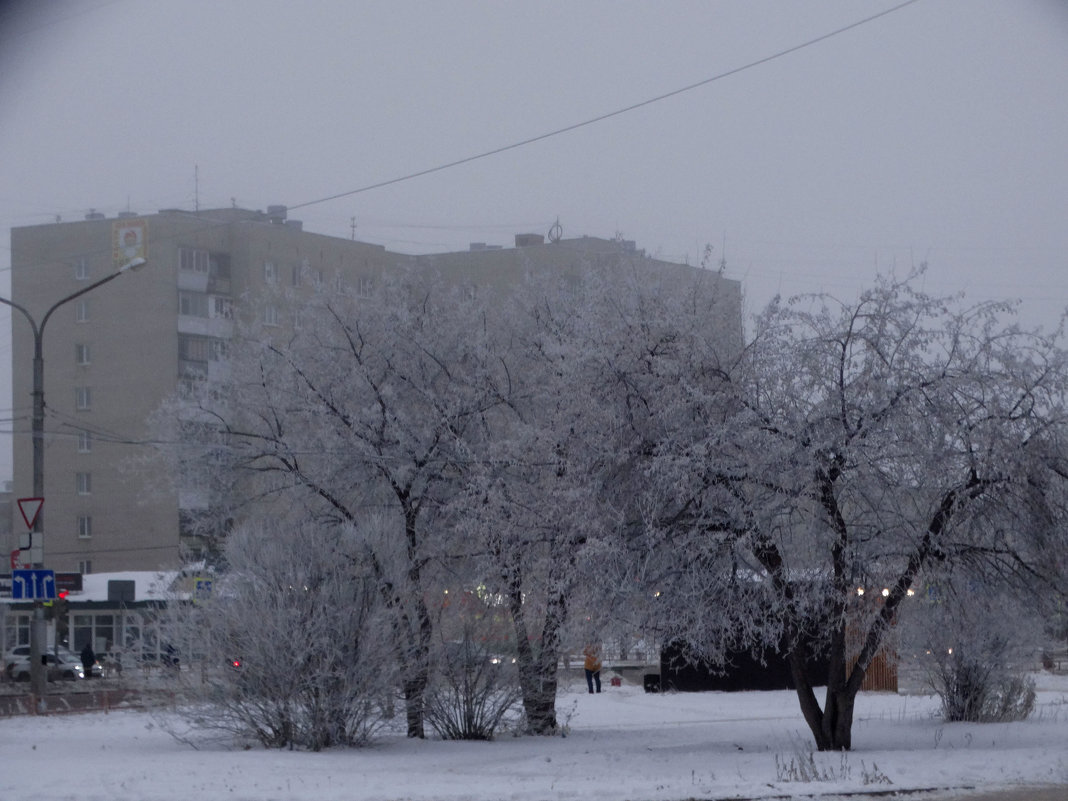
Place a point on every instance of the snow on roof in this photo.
(149, 585)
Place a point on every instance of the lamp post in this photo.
(38, 675)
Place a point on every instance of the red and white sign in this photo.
(30, 508)
(16, 560)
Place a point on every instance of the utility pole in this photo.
(38, 674)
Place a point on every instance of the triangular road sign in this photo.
(30, 508)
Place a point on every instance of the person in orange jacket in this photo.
(592, 663)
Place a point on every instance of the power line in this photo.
(610, 114)
(211, 224)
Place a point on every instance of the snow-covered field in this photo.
(622, 744)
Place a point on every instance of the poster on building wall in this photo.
(129, 241)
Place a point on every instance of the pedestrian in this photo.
(88, 660)
(592, 664)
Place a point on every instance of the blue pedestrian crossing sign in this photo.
(33, 585)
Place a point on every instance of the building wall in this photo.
(149, 331)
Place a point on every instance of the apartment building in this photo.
(112, 355)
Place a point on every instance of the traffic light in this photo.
(60, 613)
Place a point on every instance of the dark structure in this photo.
(683, 669)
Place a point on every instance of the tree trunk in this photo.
(414, 689)
(832, 726)
(415, 663)
(536, 683)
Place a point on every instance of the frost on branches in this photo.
(353, 420)
(596, 449)
(880, 443)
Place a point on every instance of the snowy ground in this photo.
(620, 745)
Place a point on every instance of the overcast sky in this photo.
(937, 133)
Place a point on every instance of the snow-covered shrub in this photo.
(976, 687)
(473, 692)
(969, 642)
(290, 649)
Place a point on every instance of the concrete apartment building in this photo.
(112, 355)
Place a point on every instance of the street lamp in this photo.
(38, 674)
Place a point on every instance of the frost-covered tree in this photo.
(533, 500)
(548, 489)
(352, 418)
(866, 444)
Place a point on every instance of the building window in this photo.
(194, 260)
(81, 269)
(297, 269)
(298, 319)
(85, 527)
(194, 353)
(83, 398)
(193, 304)
(81, 311)
(84, 483)
(194, 348)
(223, 307)
(365, 286)
(81, 354)
(270, 272)
(270, 315)
(220, 266)
(85, 566)
(85, 442)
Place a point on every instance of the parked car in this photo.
(17, 664)
(14, 655)
(65, 667)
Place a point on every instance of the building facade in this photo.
(112, 355)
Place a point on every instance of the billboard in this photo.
(129, 241)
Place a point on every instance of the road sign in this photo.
(201, 589)
(30, 508)
(33, 585)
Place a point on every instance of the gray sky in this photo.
(937, 133)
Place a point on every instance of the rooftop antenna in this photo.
(556, 232)
(196, 187)
(723, 255)
(353, 224)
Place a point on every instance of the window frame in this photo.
(194, 260)
(191, 303)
